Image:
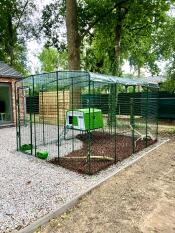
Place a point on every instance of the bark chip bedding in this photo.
(103, 147)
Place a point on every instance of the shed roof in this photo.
(8, 71)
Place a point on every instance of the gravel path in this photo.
(31, 188)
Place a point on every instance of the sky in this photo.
(34, 47)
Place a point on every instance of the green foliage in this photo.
(49, 59)
(169, 85)
(165, 45)
(110, 31)
(53, 24)
(165, 42)
(139, 25)
(14, 29)
(52, 60)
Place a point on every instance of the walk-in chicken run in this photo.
(84, 121)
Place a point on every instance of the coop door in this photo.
(73, 120)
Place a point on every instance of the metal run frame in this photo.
(128, 114)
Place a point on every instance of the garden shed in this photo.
(85, 121)
(8, 78)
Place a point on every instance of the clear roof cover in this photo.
(82, 79)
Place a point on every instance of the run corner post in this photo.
(58, 117)
(132, 121)
(116, 97)
(89, 129)
(146, 121)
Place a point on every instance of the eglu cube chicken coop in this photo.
(85, 121)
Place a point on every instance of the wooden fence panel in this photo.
(48, 106)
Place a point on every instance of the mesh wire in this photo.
(129, 116)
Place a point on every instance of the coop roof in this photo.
(87, 110)
(82, 78)
(8, 71)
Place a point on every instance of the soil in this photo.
(139, 199)
(103, 146)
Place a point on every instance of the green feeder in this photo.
(42, 154)
(26, 147)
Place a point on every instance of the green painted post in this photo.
(30, 109)
(132, 124)
(93, 103)
(34, 120)
(133, 120)
(24, 105)
(111, 107)
(116, 96)
(89, 131)
(146, 122)
(43, 128)
(64, 115)
(19, 126)
(157, 114)
(108, 109)
(72, 113)
(58, 123)
(16, 108)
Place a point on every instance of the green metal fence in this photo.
(83, 121)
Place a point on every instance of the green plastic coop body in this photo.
(84, 119)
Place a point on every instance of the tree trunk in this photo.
(73, 39)
(73, 42)
(122, 11)
(116, 71)
(139, 71)
(138, 75)
(10, 40)
(118, 32)
(118, 49)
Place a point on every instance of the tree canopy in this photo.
(111, 32)
(51, 59)
(104, 34)
(15, 28)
